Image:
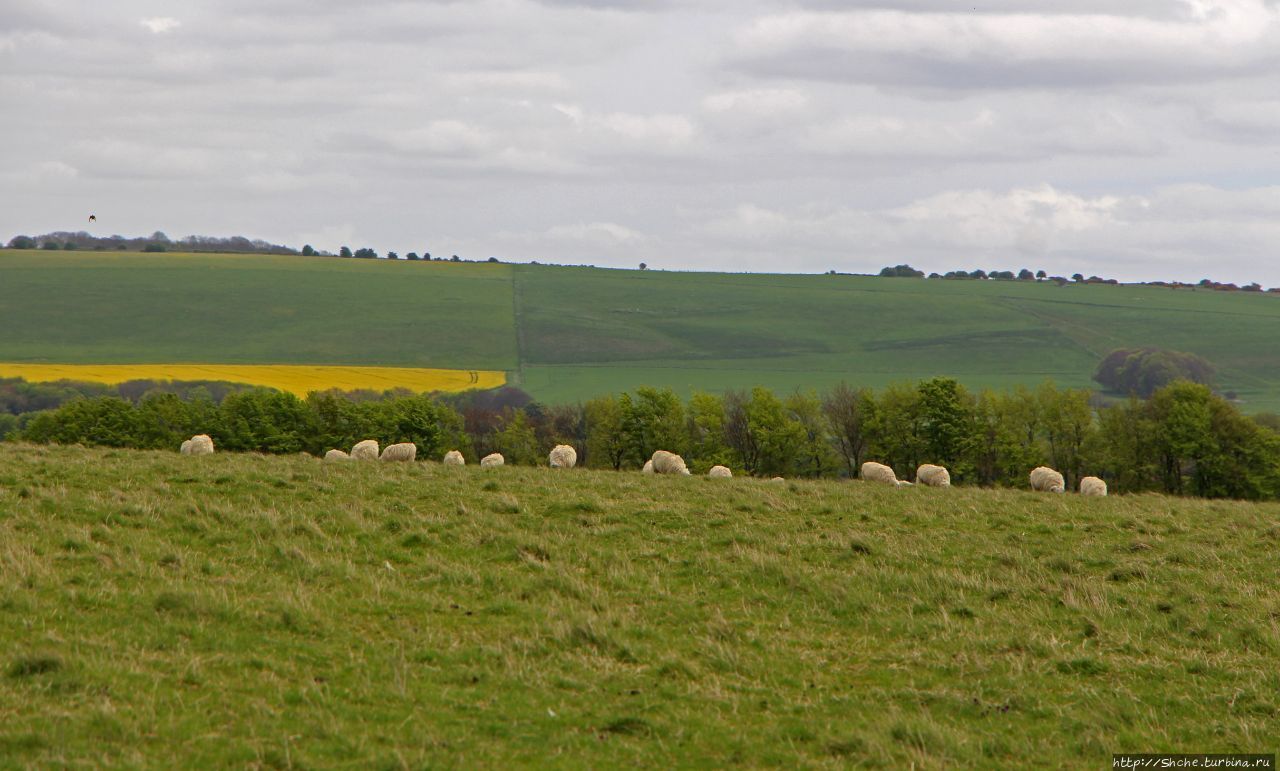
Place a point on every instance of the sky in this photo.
(1137, 140)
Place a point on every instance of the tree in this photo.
(1026, 275)
(643, 266)
(22, 242)
(706, 420)
(455, 258)
(653, 420)
(411, 256)
(1143, 371)
(1040, 275)
(516, 441)
(901, 271)
(344, 251)
(1077, 277)
(606, 435)
(308, 251)
(392, 256)
(814, 456)
(848, 412)
(945, 424)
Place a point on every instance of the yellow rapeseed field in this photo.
(297, 379)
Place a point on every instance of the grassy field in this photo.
(121, 308)
(572, 333)
(160, 611)
(295, 379)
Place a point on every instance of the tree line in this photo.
(1184, 440)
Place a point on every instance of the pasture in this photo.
(159, 610)
(566, 334)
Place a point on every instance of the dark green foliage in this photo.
(902, 271)
(1142, 371)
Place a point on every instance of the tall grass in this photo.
(159, 610)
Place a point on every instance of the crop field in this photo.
(566, 334)
(296, 379)
(166, 611)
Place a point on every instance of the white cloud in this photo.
(160, 24)
(596, 232)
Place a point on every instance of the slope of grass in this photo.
(157, 610)
(597, 331)
(573, 333)
(120, 308)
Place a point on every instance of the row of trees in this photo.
(906, 271)
(1183, 440)
(156, 242)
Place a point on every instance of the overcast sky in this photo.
(1136, 139)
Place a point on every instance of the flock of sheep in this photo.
(1043, 479)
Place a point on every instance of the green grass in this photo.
(567, 334)
(122, 308)
(163, 611)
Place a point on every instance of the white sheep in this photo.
(404, 451)
(366, 450)
(336, 455)
(1093, 486)
(454, 458)
(878, 472)
(930, 475)
(185, 449)
(492, 460)
(648, 467)
(669, 463)
(563, 456)
(1046, 480)
(777, 479)
(201, 444)
(720, 472)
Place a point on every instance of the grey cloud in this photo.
(738, 134)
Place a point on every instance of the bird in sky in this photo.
(93, 218)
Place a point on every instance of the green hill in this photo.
(572, 333)
(242, 610)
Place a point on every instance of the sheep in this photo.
(185, 449)
(366, 450)
(777, 479)
(878, 472)
(1093, 486)
(669, 463)
(454, 458)
(719, 472)
(563, 456)
(201, 444)
(648, 467)
(930, 475)
(1046, 480)
(336, 455)
(492, 460)
(405, 451)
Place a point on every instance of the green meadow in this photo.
(567, 334)
(166, 611)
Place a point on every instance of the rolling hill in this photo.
(571, 333)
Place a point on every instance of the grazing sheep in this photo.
(454, 458)
(1046, 480)
(1093, 486)
(668, 463)
(336, 455)
(405, 451)
(878, 472)
(930, 475)
(185, 449)
(648, 467)
(563, 456)
(777, 479)
(719, 472)
(366, 450)
(492, 460)
(201, 444)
